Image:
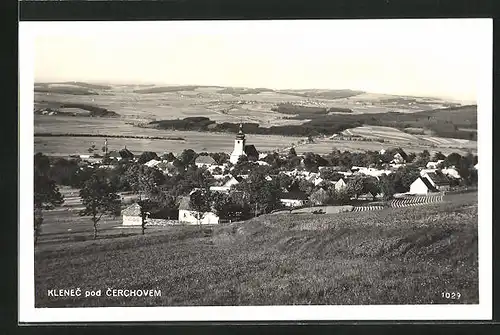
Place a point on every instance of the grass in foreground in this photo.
(393, 256)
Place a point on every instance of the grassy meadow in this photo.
(392, 256)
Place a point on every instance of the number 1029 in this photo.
(451, 295)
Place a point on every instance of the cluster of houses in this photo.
(432, 178)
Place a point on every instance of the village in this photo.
(208, 189)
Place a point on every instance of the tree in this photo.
(46, 193)
(386, 186)
(319, 197)
(262, 195)
(99, 197)
(407, 175)
(371, 185)
(92, 149)
(411, 157)
(201, 202)
(438, 156)
(146, 207)
(355, 186)
(292, 153)
(220, 157)
(187, 157)
(168, 157)
(453, 159)
(146, 156)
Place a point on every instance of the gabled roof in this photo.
(438, 178)
(132, 210)
(184, 204)
(427, 183)
(402, 153)
(205, 160)
(153, 162)
(125, 153)
(114, 154)
(251, 151)
(163, 165)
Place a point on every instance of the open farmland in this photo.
(325, 146)
(392, 256)
(141, 104)
(198, 141)
(397, 136)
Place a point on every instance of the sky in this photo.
(426, 57)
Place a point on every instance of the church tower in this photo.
(239, 146)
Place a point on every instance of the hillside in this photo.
(72, 109)
(455, 122)
(394, 256)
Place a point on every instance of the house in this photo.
(421, 185)
(166, 167)
(152, 163)
(233, 181)
(223, 189)
(251, 152)
(340, 185)
(293, 198)
(131, 215)
(262, 163)
(114, 155)
(437, 180)
(423, 172)
(204, 161)
(475, 166)
(188, 216)
(126, 154)
(434, 165)
(400, 156)
(451, 172)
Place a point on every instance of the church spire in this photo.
(241, 134)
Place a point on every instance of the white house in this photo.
(340, 185)
(132, 215)
(204, 161)
(233, 181)
(188, 216)
(421, 185)
(152, 163)
(293, 199)
(475, 166)
(437, 180)
(434, 165)
(451, 172)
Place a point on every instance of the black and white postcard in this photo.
(255, 170)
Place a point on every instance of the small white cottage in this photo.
(188, 216)
(132, 215)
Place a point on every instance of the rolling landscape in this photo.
(205, 118)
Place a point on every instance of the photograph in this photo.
(255, 170)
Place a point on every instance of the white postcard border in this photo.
(28, 313)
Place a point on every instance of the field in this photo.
(198, 141)
(145, 103)
(393, 256)
(396, 136)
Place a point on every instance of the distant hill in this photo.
(73, 109)
(455, 122)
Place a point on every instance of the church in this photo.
(241, 149)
